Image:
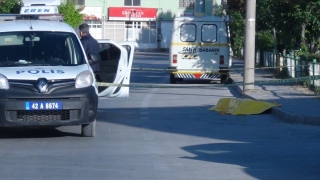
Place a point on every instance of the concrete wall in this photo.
(166, 34)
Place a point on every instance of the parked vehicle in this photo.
(45, 75)
(200, 48)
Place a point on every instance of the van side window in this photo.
(188, 32)
(209, 33)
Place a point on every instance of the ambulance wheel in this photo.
(172, 79)
(88, 130)
(224, 79)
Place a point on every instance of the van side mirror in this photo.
(94, 58)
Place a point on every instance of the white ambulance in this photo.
(200, 48)
(45, 76)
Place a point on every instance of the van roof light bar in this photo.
(49, 17)
(44, 2)
(7, 17)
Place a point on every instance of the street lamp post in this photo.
(103, 19)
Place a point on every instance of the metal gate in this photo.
(143, 33)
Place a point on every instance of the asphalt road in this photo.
(165, 134)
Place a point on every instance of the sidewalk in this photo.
(299, 105)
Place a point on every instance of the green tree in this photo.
(237, 32)
(9, 6)
(71, 12)
(236, 5)
(298, 22)
(264, 40)
(236, 10)
(288, 21)
(313, 23)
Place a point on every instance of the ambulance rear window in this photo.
(188, 32)
(209, 33)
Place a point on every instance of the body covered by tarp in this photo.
(238, 106)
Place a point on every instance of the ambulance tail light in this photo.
(222, 60)
(175, 59)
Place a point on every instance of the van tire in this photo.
(172, 79)
(224, 79)
(88, 130)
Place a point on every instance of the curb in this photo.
(283, 114)
(295, 118)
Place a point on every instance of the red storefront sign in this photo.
(132, 14)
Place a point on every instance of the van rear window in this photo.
(188, 32)
(209, 33)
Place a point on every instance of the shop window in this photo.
(77, 2)
(132, 3)
(186, 3)
(129, 24)
(137, 25)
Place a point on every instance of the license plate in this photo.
(43, 105)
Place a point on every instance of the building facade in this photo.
(147, 22)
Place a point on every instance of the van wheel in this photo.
(224, 79)
(172, 79)
(88, 130)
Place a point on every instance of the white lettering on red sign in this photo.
(132, 13)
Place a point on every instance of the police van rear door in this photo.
(115, 67)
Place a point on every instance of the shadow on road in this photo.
(264, 148)
(20, 133)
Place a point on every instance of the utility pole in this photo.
(103, 19)
(249, 48)
(224, 7)
(214, 4)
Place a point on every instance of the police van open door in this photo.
(115, 67)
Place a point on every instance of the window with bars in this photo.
(77, 2)
(186, 3)
(132, 3)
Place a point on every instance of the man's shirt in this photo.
(91, 45)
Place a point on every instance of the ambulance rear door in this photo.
(187, 48)
(209, 50)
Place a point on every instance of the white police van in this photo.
(45, 76)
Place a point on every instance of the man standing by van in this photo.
(90, 45)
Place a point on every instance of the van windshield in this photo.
(34, 48)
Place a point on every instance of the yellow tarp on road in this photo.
(237, 106)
